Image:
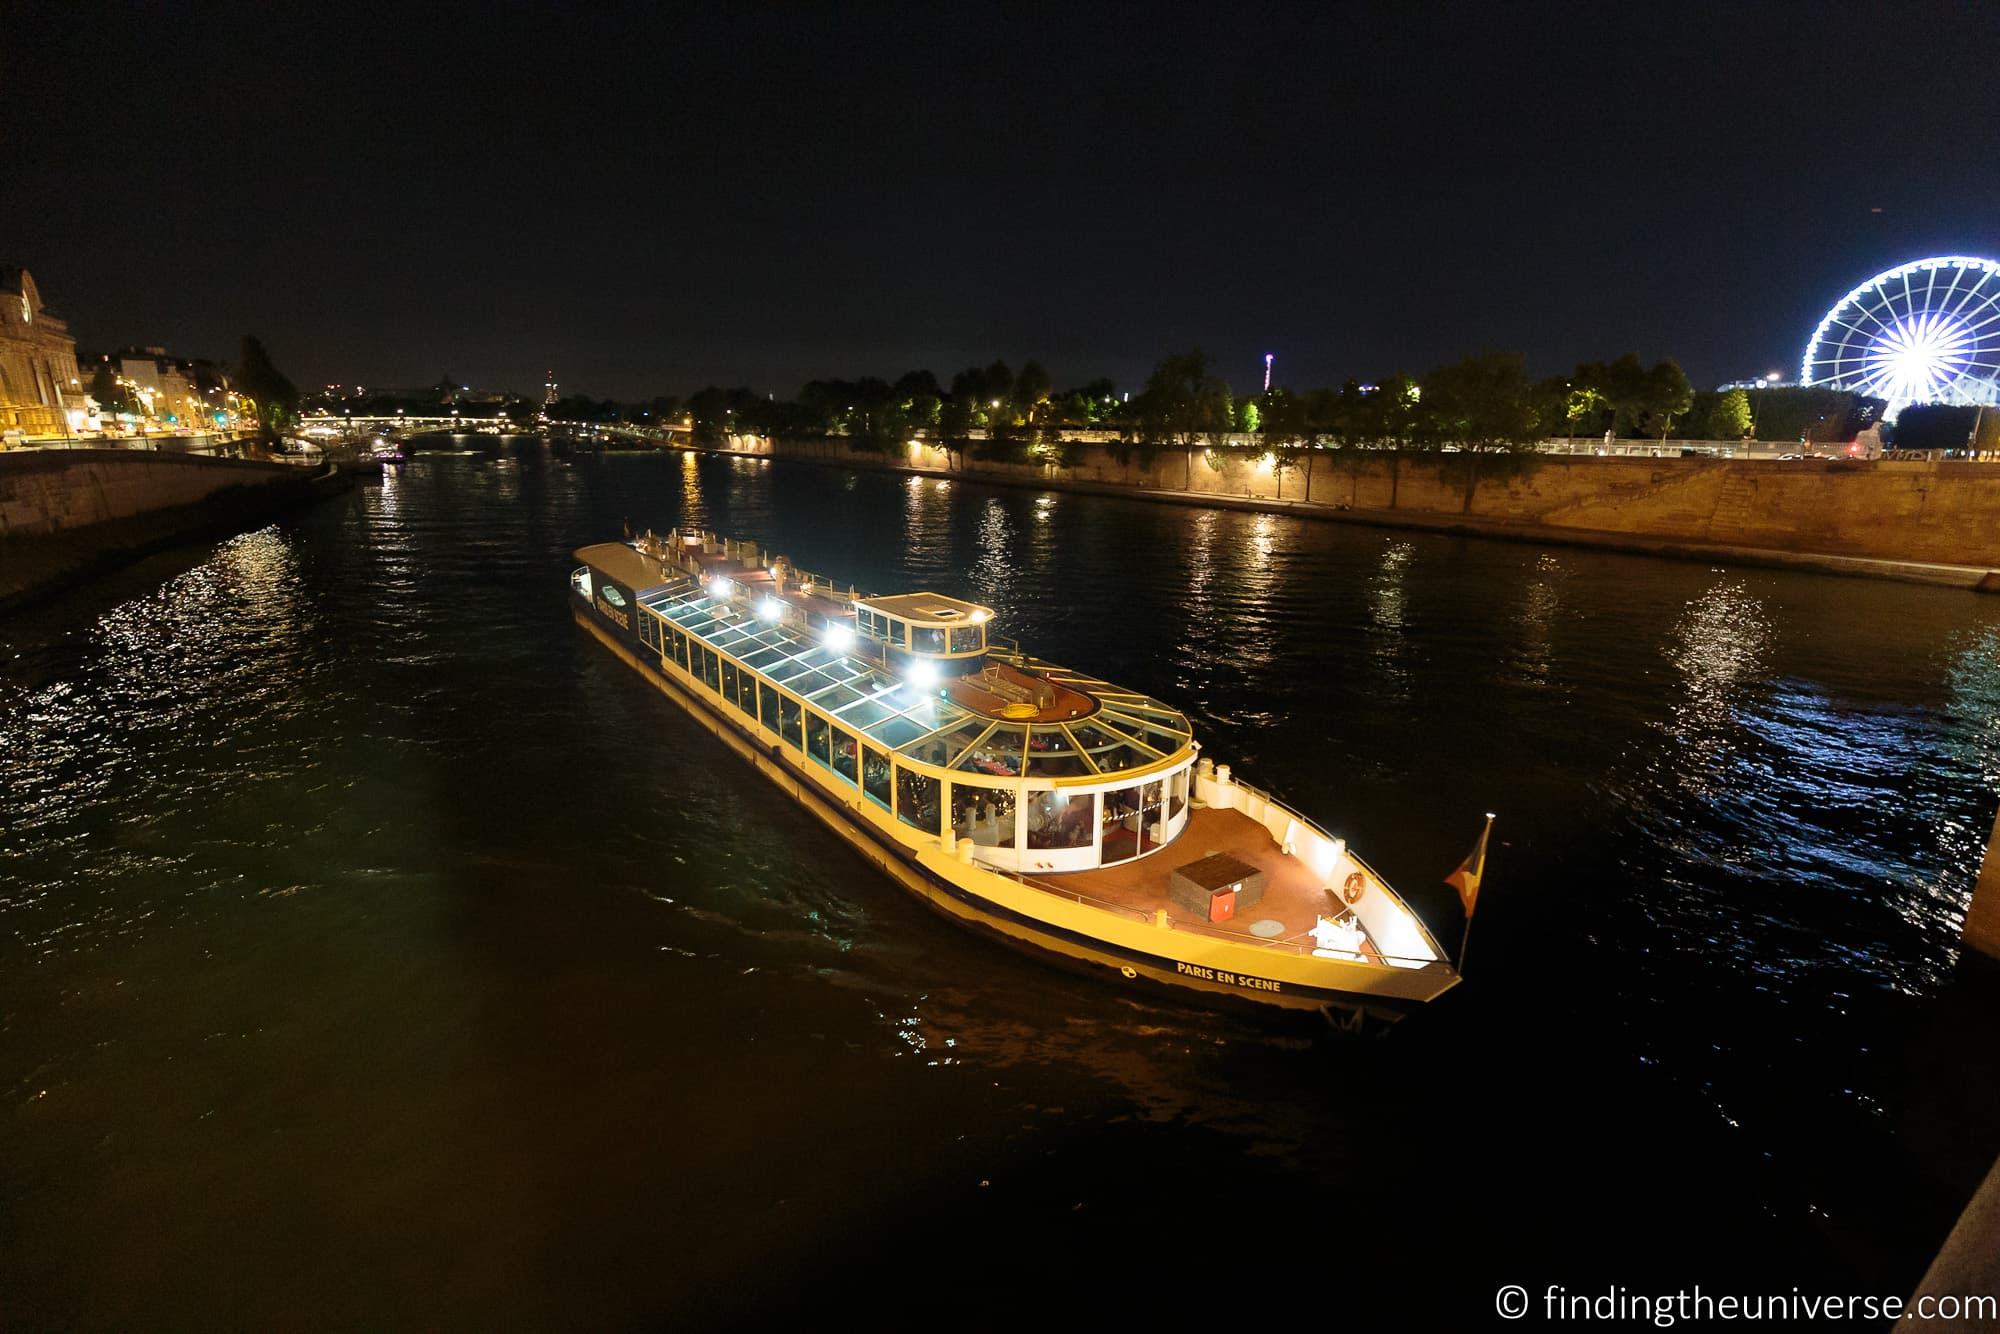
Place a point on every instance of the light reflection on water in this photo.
(366, 759)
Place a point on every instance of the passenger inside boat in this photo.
(1058, 821)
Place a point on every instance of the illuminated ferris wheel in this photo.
(1923, 332)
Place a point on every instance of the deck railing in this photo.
(1287, 944)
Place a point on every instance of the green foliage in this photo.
(1810, 413)
(112, 397)
(1729, 415)
(276, 397)
(1183, 403)
(1483, 402)
(1936, 426)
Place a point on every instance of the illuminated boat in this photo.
(1057, 810)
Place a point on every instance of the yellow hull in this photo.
(1127, 949)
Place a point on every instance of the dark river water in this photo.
(378, 950)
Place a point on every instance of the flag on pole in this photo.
(1466, 878)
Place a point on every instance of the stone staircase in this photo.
(1730, 520)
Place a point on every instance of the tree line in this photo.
(1486, 401)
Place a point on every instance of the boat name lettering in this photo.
(621, 617)
(1227, 978)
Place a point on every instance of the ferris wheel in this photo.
(1923, 332)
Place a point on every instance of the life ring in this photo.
(1356, 883)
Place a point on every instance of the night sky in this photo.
(653, 201)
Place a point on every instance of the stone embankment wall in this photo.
(1944, 513)
(67, 513)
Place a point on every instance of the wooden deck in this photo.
(1293, 895)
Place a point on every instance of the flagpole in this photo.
(1465, 939)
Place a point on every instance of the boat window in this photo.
(580, 581)
(767, 707)
(1131, 822)
(932, 712)
(967, 638)
(846, 755)
(897, 732)
(785, 671)
(746, 693)
(998, 753)
(837, 697)
(646, 632)
(817, 729)
(729, 680)
(863, 713)
(917, 797)
(765, 657)
(681, 649)
(711, 669)
(1109, 750)
(875, 776)
(1052, 753)
(1177, 792)
(789, 713)
(983, 814)
(1060, 820)
(926, 639)
(944, 749)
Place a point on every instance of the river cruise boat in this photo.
(1054, 809)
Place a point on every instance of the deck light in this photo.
(838, 637)
(719, 586)
(770, 609)
(922, 674)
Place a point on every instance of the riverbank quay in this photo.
(1966, 1271)
(68, 514)
(1921, 522)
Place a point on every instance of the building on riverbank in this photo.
(40, 397)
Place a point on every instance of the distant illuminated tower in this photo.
(549, 392)
(1268, 358)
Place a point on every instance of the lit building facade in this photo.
(39, 394)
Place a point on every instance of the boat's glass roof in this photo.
(1131, 731)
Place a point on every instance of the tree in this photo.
(112, 397)
(1668, 395)
(1936, 426)
(1184, 403)
(1032, 388)
(1729, 415)
(277, 399)
(1482, 402)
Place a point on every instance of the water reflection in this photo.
(1541, 606)
(994, 574)
(1387, 612)
(1718, 648)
